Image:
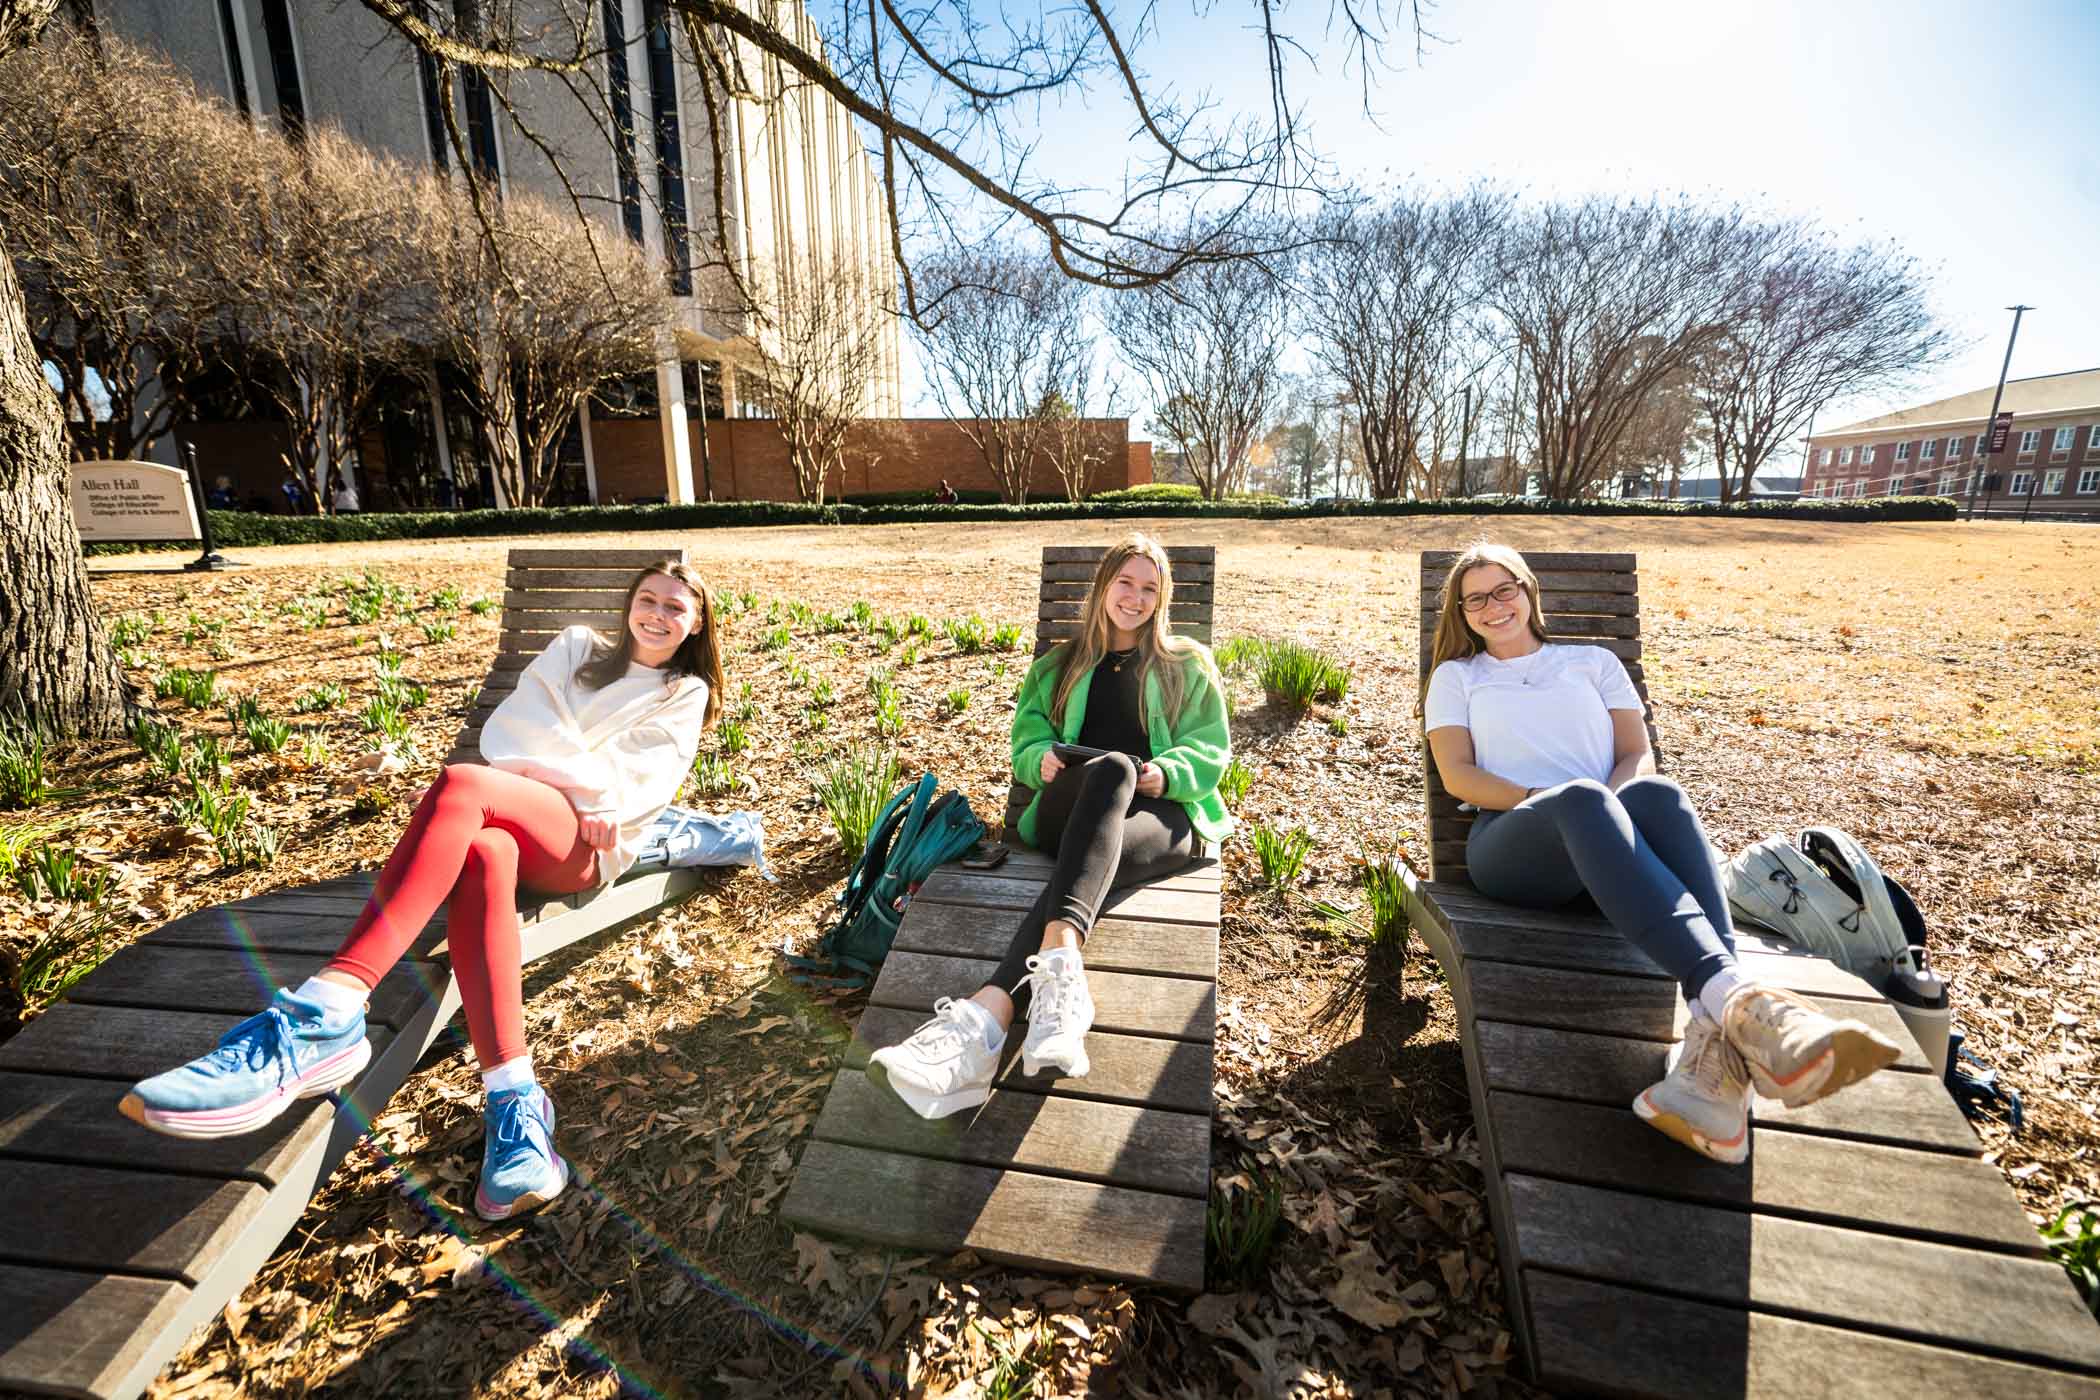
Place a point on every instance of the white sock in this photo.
(511, 1074)
(987, 1025)
(1713, 997)
(1067, 958)
(335, 996)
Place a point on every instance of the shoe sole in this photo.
(325, 1077)
(1732, 1151)
(527, 1201)
(930, 1105)
(1076, 1068)
(1853, 1052)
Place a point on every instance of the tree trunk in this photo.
(56, 667)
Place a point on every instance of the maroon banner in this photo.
(2001, 429)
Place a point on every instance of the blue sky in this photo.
(1968, 132)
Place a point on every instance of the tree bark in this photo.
(56, 667)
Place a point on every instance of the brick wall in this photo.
(749, 459)
(1916, 474)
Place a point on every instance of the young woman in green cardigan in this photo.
(1152, 703)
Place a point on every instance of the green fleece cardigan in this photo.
(1192, 753)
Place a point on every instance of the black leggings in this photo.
(1118, 839)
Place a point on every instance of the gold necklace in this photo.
(1119, 657)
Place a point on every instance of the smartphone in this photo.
(984, 857)
(1076, 753)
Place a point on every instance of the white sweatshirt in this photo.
(619, 751)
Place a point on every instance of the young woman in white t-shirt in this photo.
(581, 757)
(1550, 744)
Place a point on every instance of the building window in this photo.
(1824, 460)
(2022, 483)
(2088, 481)
(2053, 484)
(1845, 457)
(1953, 448)
(1866, 455)
(1947, 483)
(481, 126)
(670, 149)
(1903, 452)
(236, 68)
(284, 67)
(1931, 448)
(434, 113)
(2092, 440)
(2060, 444)
(2029, 441)
(620, 98)
(1859, 488)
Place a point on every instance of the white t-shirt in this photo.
(1536, 720)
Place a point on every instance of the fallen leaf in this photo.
(1365, 1293)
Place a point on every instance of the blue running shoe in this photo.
(520, 1170)
(293, 1049)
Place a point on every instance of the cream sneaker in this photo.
(1796, 1054)
(1704, 1099)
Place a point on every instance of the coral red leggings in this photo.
(477, 837)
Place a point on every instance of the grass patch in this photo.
(197, 689)
(853, 786)
(1294, 675)
(1240, 1229)
(2073, 1240)
(25, 778)
(325, 696)
(74, 945)
(1234, 782)
(1282, 854)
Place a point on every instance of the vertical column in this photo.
(678, 446)
(590, 458)
(729, 400)
(441, 430)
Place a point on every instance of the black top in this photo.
(1113, 717)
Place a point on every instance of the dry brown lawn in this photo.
(1930, 688)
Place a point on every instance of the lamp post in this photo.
(1989, 428)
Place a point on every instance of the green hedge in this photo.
(237, 529)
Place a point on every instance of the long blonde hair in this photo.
(1455, 639)
(1156, 644)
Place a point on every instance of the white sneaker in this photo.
(1060, 1013)
(1704, 1100)
(944, 1066)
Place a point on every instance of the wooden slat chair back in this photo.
(1588, 599)
(1865, 1239)
(137, 1238)
(545, 591)
(1068, 571)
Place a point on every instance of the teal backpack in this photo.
(916, 832)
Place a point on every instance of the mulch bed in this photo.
(1925, 687)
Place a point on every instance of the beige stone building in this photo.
(781, 177)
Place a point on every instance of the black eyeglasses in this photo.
(1501, 593)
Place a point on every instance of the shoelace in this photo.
(1050, 997)
(512, 1125)
(255, 1042)
(946, 1031)
(1711, 1069)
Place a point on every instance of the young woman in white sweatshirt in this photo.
(581, 757)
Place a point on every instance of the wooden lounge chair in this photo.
(1864, 1249)
(1109, 1174)
(118, 1242)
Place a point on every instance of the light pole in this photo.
(1992, 426)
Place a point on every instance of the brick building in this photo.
(2050, 461)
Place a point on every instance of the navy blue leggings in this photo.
(1639, 852)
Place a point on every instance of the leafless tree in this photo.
(1607, 299)
(1074, 442)
(311, 282)
(1392, 311)
(820, 349)
(1002, 351)
(1661, 438)
(537, 313)
(953, 101)
(1208, 347)
(109, 182)
(56, 668)
(1820, 322)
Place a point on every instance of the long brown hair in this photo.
(1455, 638)
(698, 655)
(1156, 644)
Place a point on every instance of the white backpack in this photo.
(1823, 892)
